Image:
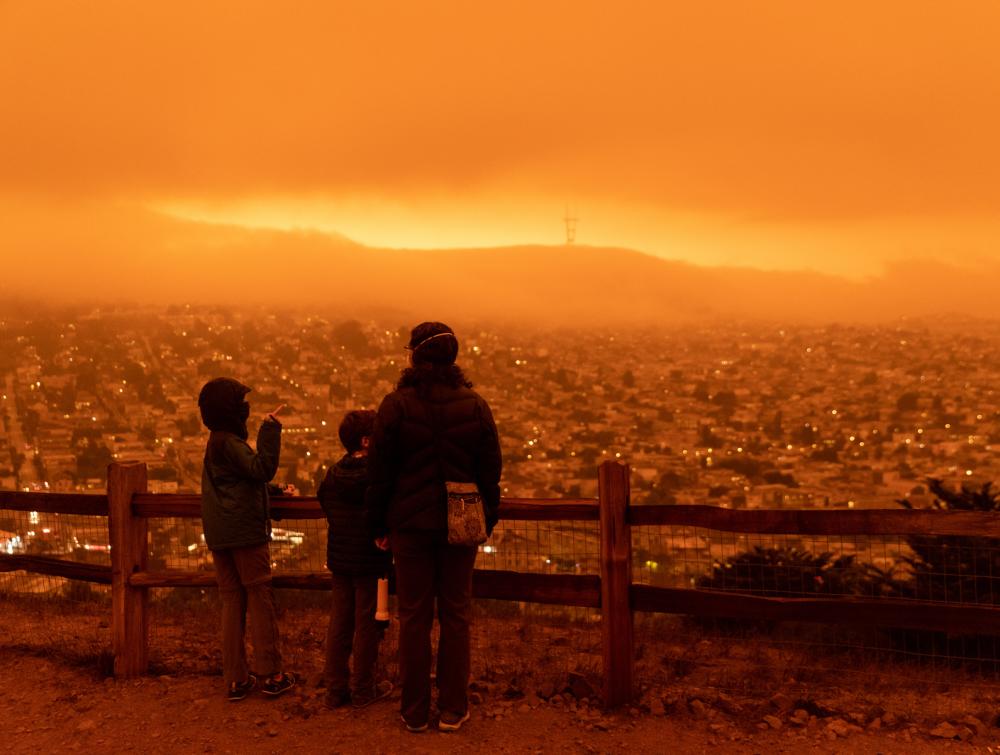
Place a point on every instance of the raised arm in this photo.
(260, 465)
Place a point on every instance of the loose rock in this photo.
(944, 730)
(773, 721)
(782, 702)
(975, 724)
(840, 727)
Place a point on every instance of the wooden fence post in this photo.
(129, 549)
(616, 579)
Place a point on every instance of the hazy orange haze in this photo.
(771, 134)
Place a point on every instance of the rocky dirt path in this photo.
(49, 706)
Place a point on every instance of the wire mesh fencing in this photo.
(184, 621)
(521, 639)
(527, 640)
(760, 657)
(49, 614)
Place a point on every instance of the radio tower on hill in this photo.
(570, 221)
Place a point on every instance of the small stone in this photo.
(87, 724)
(524, 708)
(773, 721)
(656, 707)
(890, 719)
(944, 730)
(875, 724)
(763, 726)
(839, 727)
(699, 708)
(782, 702)
(730, 706)
(475, 698)
(272, 732)
(556, 700)
(858, 718)
(975, 724)
(800, 717)
(965, 733)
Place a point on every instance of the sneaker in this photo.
(239, 690)
(453, 721)
(336, 699)
(379, 692)
(414, 728)
(278, 684)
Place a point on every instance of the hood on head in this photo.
(224, 407)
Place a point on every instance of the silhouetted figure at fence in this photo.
(237, 526)
(431, 430)
(355, 565)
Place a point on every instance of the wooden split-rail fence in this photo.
(128, 507)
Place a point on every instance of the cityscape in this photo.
(741, 416)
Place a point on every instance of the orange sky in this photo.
(762, 133)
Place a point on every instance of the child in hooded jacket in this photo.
(237, 527)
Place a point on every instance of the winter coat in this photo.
(234, 498)
(426, 435)
(350, 548)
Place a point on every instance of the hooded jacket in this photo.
(235, 509)
(350, 548)
(234, 498)
(425, 435)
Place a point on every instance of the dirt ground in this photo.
(57, 707)
(534, 689)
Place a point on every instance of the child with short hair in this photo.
(355, 565)
(237, 525)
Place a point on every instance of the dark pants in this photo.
(244, 577)
(427, 567)
(352, 627)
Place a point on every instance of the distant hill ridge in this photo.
(158, 258)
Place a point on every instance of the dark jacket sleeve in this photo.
(325, 492)
(383, 464)
(489, 465)
(260, 465)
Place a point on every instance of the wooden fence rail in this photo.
(128, 507)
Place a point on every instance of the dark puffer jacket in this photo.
(350, 548)
(234, 496)
(426, 435)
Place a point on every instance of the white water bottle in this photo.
(382, 604)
